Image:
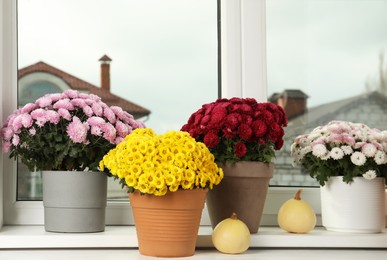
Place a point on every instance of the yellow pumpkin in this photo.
(296, 215)
(231, 236)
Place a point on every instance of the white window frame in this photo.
(243, 66)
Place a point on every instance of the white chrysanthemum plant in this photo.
(342, 148)
(65, 131)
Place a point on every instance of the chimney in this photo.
(105, 73)
(293, 102)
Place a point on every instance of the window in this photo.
(326, 61)
(243, 67)
(163, 58)
(35, 90)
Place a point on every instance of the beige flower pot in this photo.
(243, 190)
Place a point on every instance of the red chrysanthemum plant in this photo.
(239, 129)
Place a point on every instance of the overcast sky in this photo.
(165, 52)
(328, 48)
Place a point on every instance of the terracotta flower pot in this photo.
(167, 226)
(243, 190)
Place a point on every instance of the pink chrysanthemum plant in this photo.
(239, 129)
(65, 131)
(342, 148)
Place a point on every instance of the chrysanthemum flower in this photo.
(369, 175)
(319, 150)
(358, 158)
(368, 150)
(336, 153)
(77, 130)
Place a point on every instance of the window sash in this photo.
(243, 66)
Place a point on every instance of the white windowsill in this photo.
(35, 237)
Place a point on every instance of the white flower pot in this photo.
(385, 208)
(74, 202)
(358, 207)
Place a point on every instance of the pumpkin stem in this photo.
(298, 195)
(234, 216)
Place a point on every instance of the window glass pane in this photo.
(326, 60)
(164, 58)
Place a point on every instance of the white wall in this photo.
(8, 73)
(1, 107)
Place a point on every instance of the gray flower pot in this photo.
(74, 202)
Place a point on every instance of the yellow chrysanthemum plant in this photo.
(157, 164)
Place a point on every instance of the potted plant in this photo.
(243, 136)
(65, 135)
(167, 177)
(349, 161)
